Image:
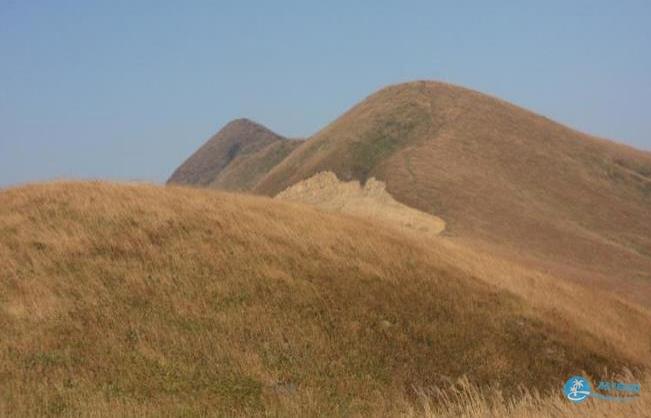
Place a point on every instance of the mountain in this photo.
(136, 300)
(501, 177)
(235, 158)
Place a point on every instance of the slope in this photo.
(500, 176)
(235, 158)
(173, 299)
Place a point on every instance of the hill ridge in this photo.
(500, 175)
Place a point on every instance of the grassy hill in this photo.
(236, 158)
(137, 299)
(502, 178)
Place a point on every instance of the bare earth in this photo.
(326, 191)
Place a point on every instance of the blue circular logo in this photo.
(577, 389)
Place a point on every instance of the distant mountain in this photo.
(235, 158)
(499, 176)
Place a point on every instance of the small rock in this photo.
(385, 324)
(286, 388)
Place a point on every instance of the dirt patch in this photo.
(327, 192)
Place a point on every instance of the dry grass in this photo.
(468, 401)
(591, 308)
(140, 300)
(623, 323)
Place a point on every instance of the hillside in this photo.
(502, 178)
(235, 158)
(171, 300)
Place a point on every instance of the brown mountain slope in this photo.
(194, 302)
(235, 158)
(498, 175)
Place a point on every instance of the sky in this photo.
(126, 90)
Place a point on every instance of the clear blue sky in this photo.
(128, 89)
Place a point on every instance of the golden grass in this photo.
(463, 400)
(468, 401)
(615, 318)
(140, 300)
(623, 323)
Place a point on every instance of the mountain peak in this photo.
(238, 140)
(244, 123)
